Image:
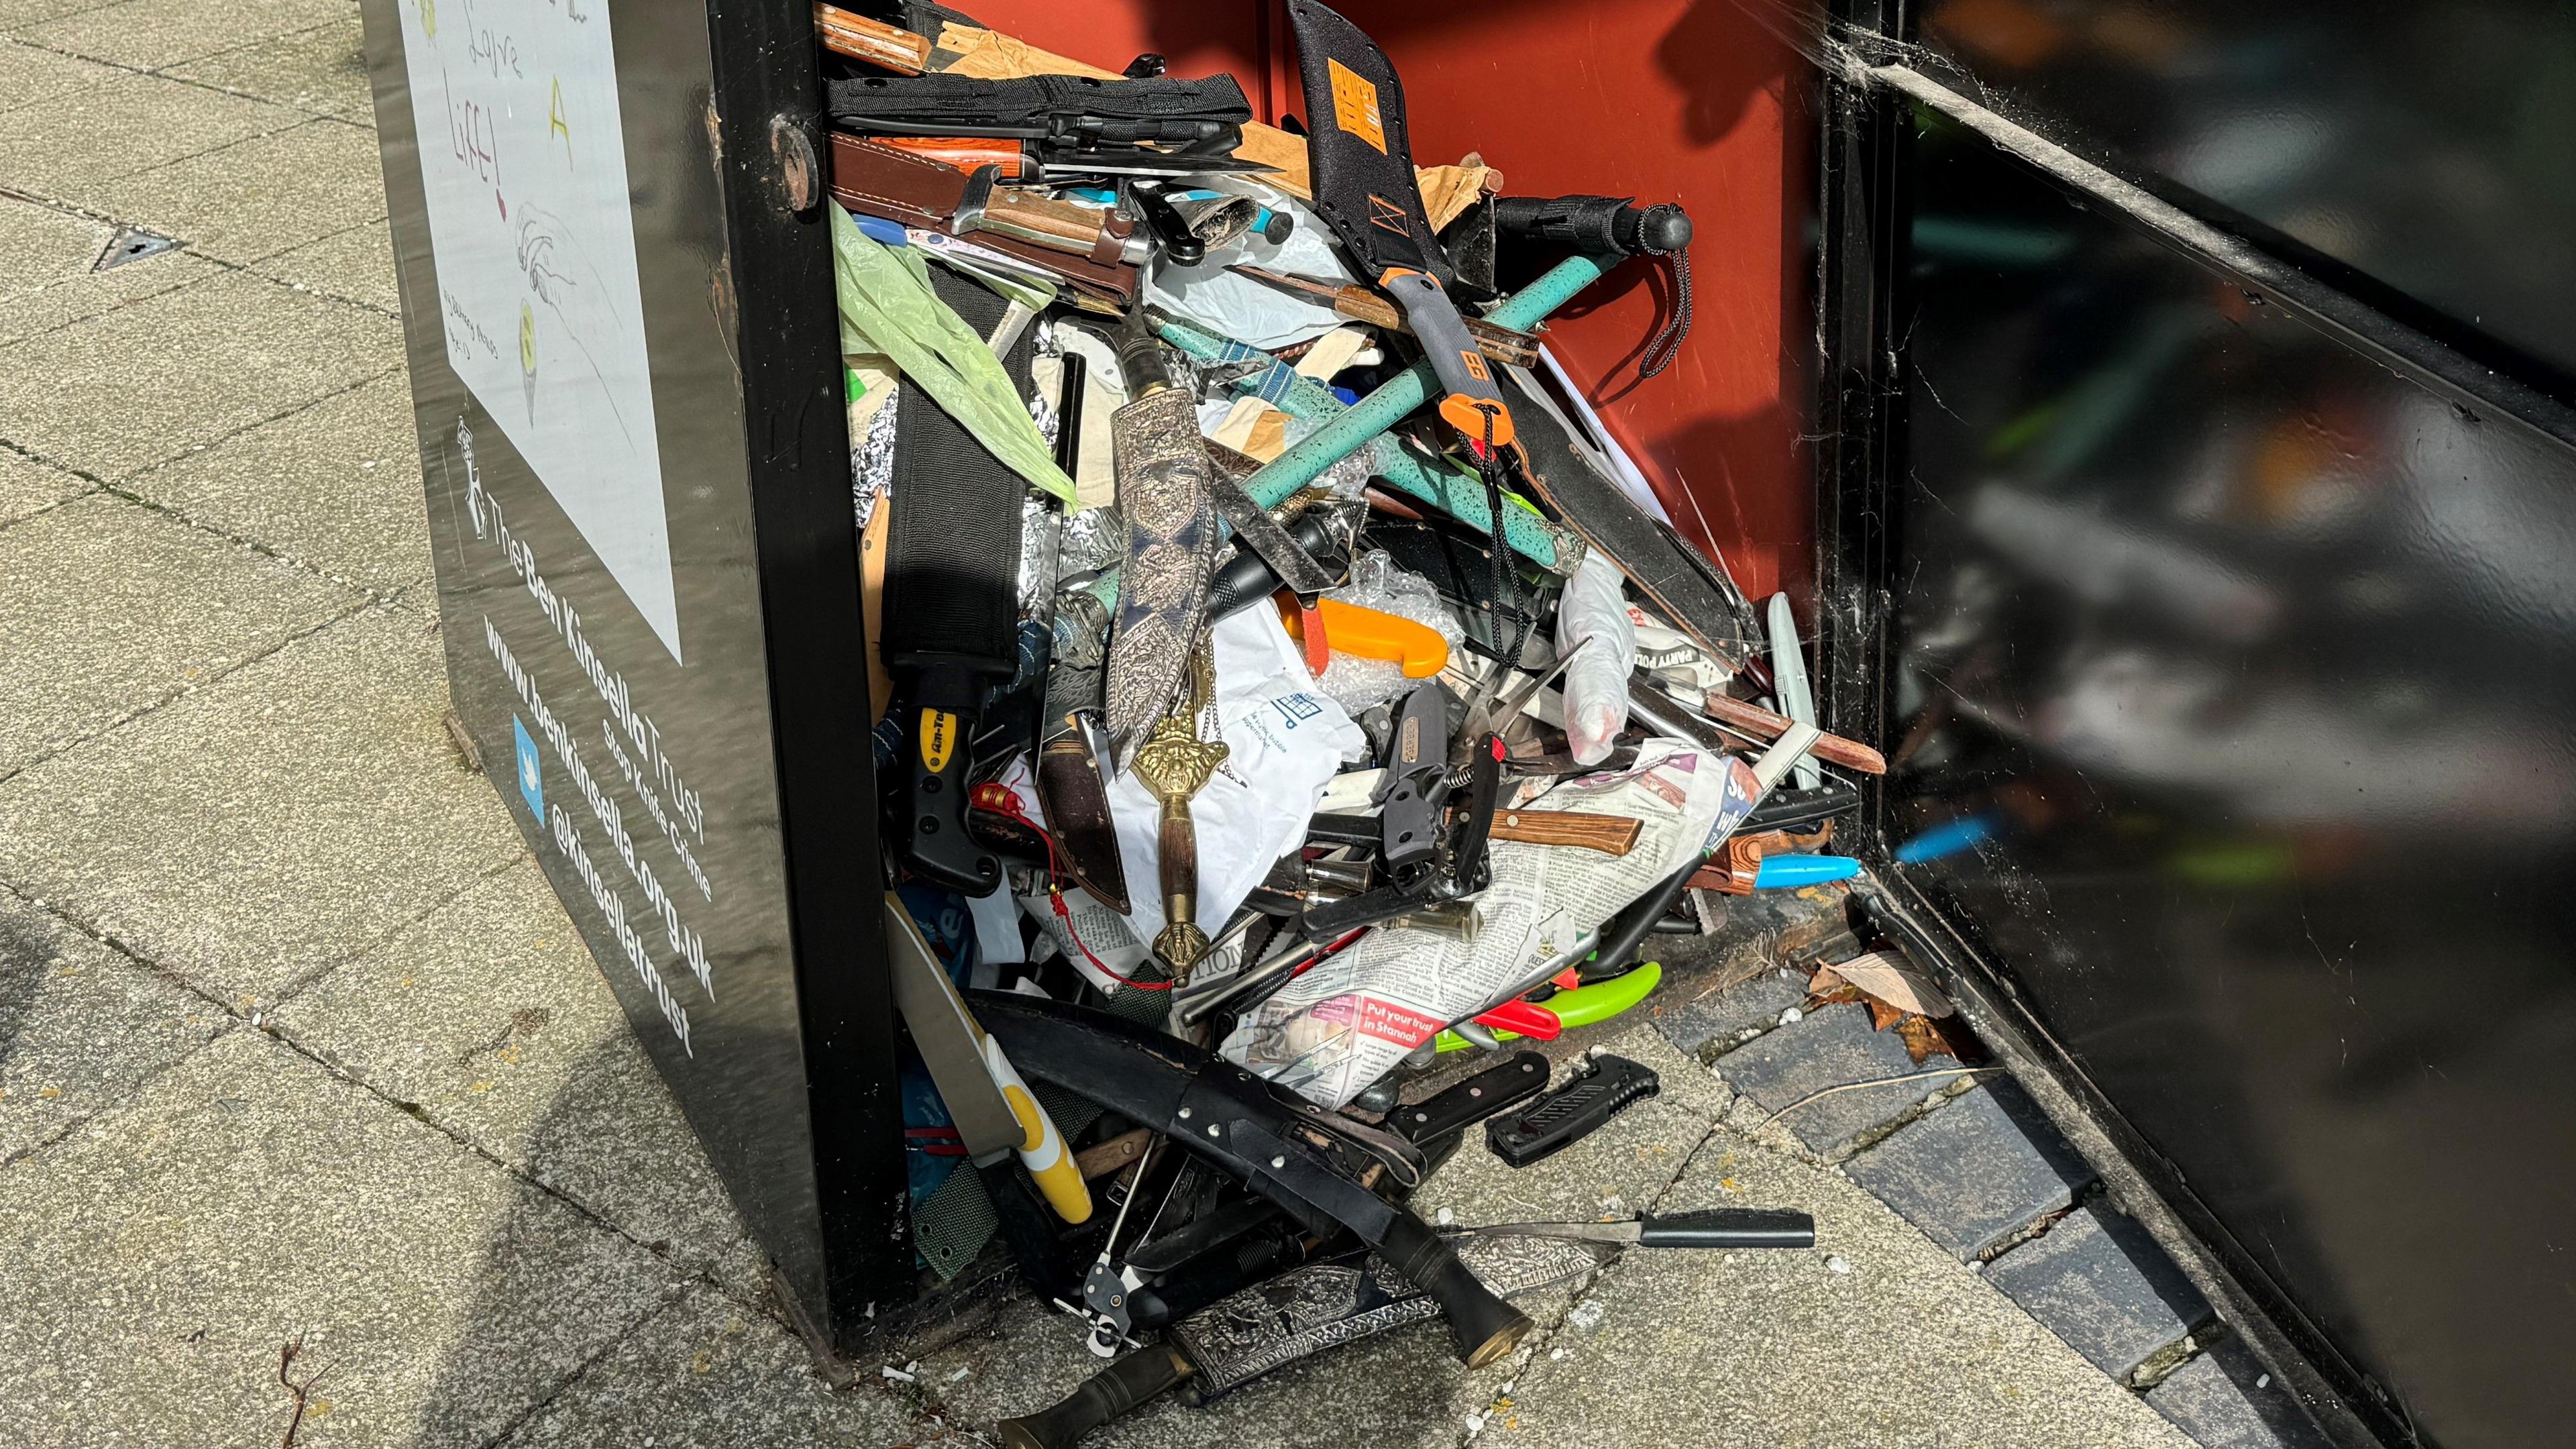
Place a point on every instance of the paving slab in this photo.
(160, 1257)
(708, 1372)
(1404, 1387)
(490, 1018)
(113, 608)
(17, 14)
(61, 147)
(150, 381)
(2100, 1283)
(280, 821)
(31, 73)
(29, 487)
(80, 1025)
(2224, 1400)
(1830, 1047)
(150, 34)
(335, 487)
(1716, 1021)
(46, 281)
(323, 70)
(356, 265)
(258, 197)
(1984, 1167)
(1875, 1340)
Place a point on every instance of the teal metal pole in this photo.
(1410, 389)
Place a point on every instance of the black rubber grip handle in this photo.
(1596, 223)
(1104, 1396)
(1482, 1327)
(1628, 930)
(1728, 1228)
(1571, 1112)
(1245, 580)
(930, 834)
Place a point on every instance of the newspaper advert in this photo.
(1349, 1021)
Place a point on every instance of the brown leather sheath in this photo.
(882, 181)
(1074, 790)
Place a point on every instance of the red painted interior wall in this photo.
(1684, 100)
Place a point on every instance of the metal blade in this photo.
(951, 1043)
(1287, 558)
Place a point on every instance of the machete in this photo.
(1362, 164)
(1325, 1169)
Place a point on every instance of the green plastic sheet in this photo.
(887, 306)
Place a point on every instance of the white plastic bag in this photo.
(1596, 682)
(1283, 742)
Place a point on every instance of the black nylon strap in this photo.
(953, 561)
(1058, 107)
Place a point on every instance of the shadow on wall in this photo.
(1705, 56)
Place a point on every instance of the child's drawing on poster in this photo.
(523, 158)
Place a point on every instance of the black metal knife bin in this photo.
(616, 285)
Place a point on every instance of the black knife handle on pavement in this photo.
(1482, 1327)
(1570, 1113)
(1495, 1090)
(930, 835)
(1104, 1396)
(1728, 1228)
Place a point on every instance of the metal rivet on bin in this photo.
(1214, 1130)
(1185, 1114)
(1279, 1162)
(799, 175)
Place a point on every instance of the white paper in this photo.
(523, 165)
(1283, 742)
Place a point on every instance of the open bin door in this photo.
(2201, 496)
(617, 291)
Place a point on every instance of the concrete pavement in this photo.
(296, 1048)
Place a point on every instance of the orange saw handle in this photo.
(1372, 634)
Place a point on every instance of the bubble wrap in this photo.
(1356, 683)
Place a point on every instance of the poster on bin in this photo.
(523, 164)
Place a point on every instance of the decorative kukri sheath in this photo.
(1304, 1311)
(1162, 466)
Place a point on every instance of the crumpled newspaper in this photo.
(1358, 1013)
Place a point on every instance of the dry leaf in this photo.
(1882, 1016)
(1898, 982)
(1922, 1040)
(1925, 1038)
(1827, 989)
